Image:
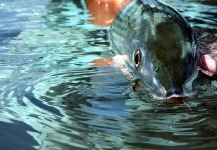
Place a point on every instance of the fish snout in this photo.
(174, 92)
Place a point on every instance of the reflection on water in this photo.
(200, 13)
(52, 97)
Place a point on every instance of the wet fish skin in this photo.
(166, 42)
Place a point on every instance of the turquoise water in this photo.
(53, 97)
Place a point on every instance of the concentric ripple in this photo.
(53, 97)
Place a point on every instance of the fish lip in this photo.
(184, 95)
(174, 92)
(176, 96)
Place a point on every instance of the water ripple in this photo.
(51, 95)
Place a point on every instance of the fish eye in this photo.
(138, 58)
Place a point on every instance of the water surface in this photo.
(53, 97)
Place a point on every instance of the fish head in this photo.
(160, 46)
(166, 61)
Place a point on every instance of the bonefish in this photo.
(159, 46)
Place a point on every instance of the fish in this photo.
(160, 46)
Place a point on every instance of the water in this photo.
(53, 97)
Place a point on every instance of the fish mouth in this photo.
(179, 93)
(174, 93)
(176, 96)
(158, 92)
